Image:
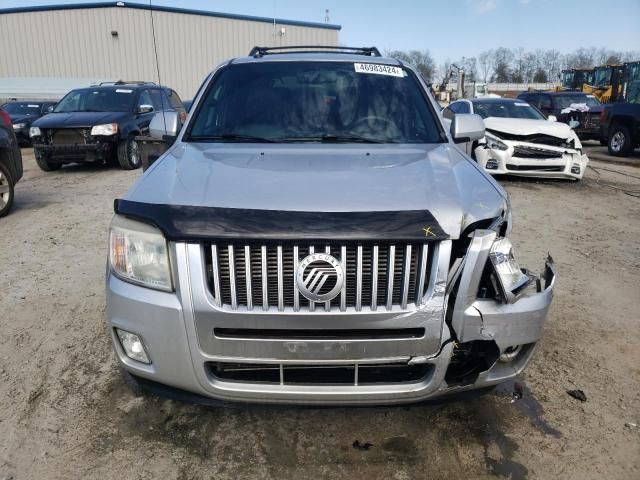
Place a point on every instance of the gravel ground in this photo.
(65, 413)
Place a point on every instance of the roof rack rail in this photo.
(127, 82)
(262, 51)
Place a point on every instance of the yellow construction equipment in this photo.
(574, 78)
(606, 84)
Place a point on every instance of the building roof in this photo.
(162, 8)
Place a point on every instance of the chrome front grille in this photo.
(254, 277)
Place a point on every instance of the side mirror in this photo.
(466, 127)
(145, 109)
(164, 125)
(552, 118)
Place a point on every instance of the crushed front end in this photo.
(413, 319)
(541, 156)
(68, 145)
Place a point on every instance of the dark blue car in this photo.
(100, 124)
(23, 114)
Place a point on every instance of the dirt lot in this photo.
(65, 413)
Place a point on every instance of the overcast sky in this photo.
(450, 29)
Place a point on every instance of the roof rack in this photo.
(126, 82)
(262, 51)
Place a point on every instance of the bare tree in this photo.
(503, 58)
(421, 60)
(485, 60)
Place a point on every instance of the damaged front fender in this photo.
(507, 324)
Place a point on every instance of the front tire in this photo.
(6, 191)
(44, 161)
(129, 154)
(620, 143)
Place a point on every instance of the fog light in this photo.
(133, 346)
(492, 164)
(510, 353)
(575, 169)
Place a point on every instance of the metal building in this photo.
(81, 43)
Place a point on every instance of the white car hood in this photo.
(523, 126)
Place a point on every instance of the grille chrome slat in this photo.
(377, 276)
(247, 267)
(232, 278)
(296, 292)
(374, 278)
(312, 305)
(343, 291)
(406, 270)
(280, 281)
(265, 289)
(422, 272)
(390, 274)
(215, 273)
(359, 278)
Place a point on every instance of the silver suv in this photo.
(314, 235)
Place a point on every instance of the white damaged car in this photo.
(519, 140)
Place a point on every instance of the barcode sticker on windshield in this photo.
(122, 90)
(32, 106)
(378, 69)
(518, 104)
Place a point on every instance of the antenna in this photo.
(155, 50)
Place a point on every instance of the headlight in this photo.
(495, 144)
(106, 129)
(138, 254)
(18, 126)
(511, 278)
(34, 132)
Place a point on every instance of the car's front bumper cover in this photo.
(166, 322)
(570, 164)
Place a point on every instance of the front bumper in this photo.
(570, 165)
(167, 324)
(87, 152)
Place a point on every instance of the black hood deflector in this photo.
(190, 223)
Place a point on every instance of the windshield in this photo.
(602, 77)
(564, 101)
(314, 102)
(96, 100)
(21, 108)
(507, 110)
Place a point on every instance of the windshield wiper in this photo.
(233, 136)
(335, 138)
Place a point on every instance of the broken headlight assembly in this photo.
(506, 276)
(494, 143)
(138, 254)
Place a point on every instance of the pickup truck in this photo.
(620, 128)
(315, 235)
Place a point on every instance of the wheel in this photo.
(44, 161)
(129, 154)
(6, 191)
(620, 144)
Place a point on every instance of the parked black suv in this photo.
(10, 163)
(23, 114)
(100, 123)
(585, 123)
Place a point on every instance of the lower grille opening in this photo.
(321, 334)
(541, 168)
(369, 374)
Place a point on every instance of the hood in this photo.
(20, 118)
(79, 119)
(524, 126)
(324, 178)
